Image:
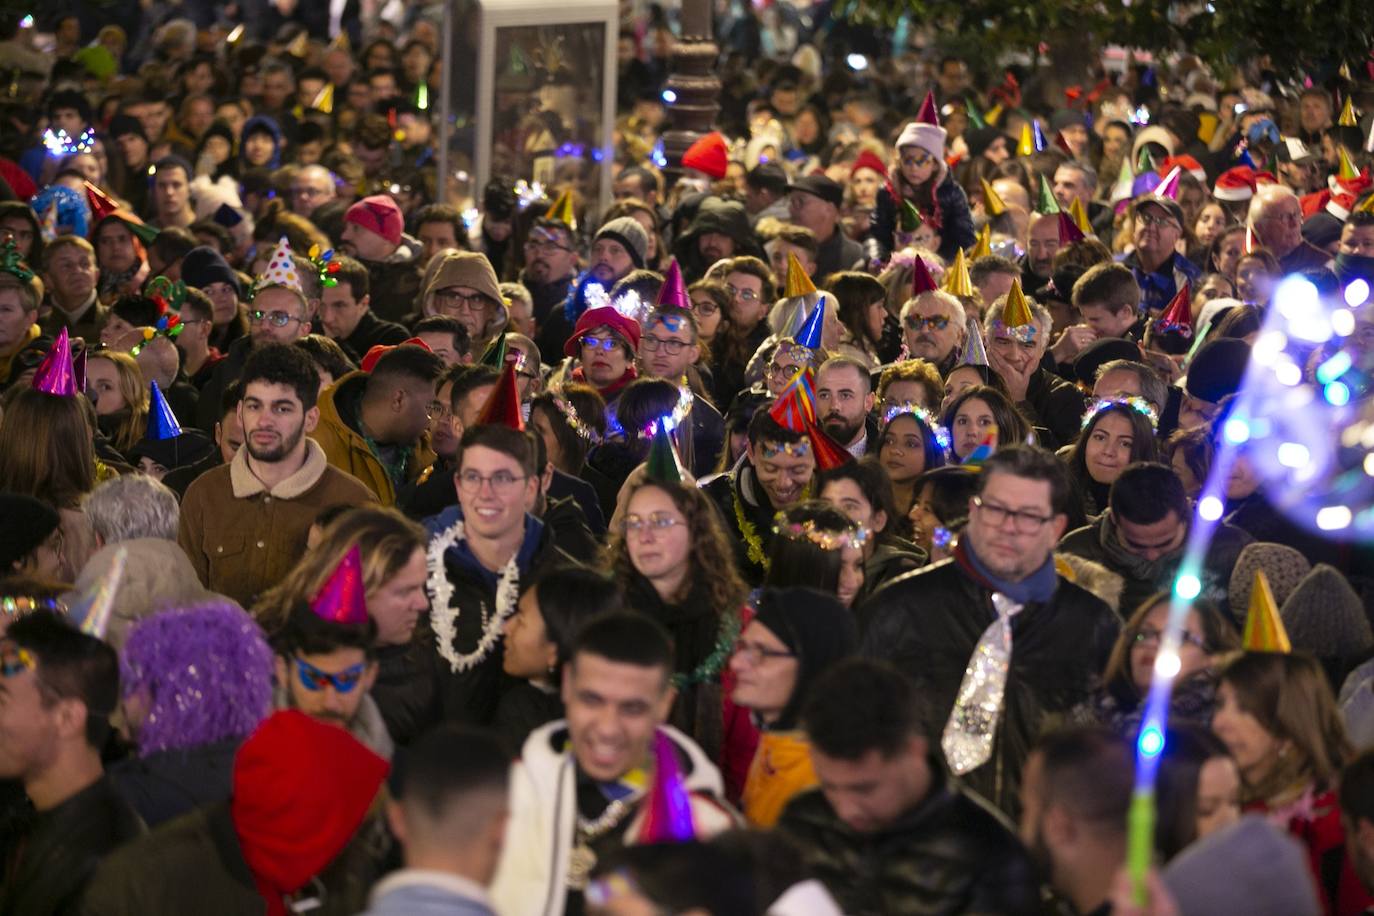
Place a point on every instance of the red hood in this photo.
(613, 388)
(301, 788)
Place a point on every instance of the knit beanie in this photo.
(28, 523)
(378, 214)
(1325, 616)
(628, 232)
(708, 155)
(1283, 566)
(980, 138)
(817, 629)
(929, 137)
(204, 265)
(1249, 867)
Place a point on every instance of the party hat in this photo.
(561, 211)
(975, 117)
(993, 114)
(55, 374)
(1062, 142)
(1026, 145)
(929, 114)
(1168, 188)
(1125, 179)
(1178, 314)
(798, 283)
(324, 99)
(982, 245)
(829, 453)
(79, 369)
(1046, 204)
(1348, 117)
(13, 264)
(1037, 136)
(280, 271)
(668, 807)
(921, 280)
(343, 599)
(162, 423)
(795, 408)
(1251, 243)
(93, 608)
(1264, 630)
(235, 35)
(341, 42)
(992, 201)
(1145, 163)
(503, 406)
(299, 45)
(1068, 230)
(908, 217)
(495, 353)
(810, 334)
(1080, 216)
(1366, 205)
(957, 280)
(1347, 170)
(1016, 313)
(975, 351)
(48, 226)
(145, 233)
(673, 291)
(101, 203)
(1368, 141)
(663, 464)
(983, 451)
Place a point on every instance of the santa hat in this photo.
(1185, 163)
(867, 159)
(1235, 184)
(707, 155)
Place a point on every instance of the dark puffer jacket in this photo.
(952, 853)
(956, 230)
(928, 622)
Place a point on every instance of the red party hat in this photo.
(929, 114)
(1178, 314)
(921, 280)
(503, 407)
(101, 203)
(829, 453)
(668, 807)
(1068, 230)
(55, 374)
(795, 408)
(673, 291)
(343, 599)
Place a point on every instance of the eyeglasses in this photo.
(435, 409)
(450, 300)
(1151, 219)
(1151, 636)
(544, 245)
(778, 370)
(668, 345)
(275, 319)
(705, 307)
(744, 295)
(920, 323)
(502, 482)
(599, 343)
(313, 679)
(756, 654)
(917, 159)
(1023, 522)
(309, 192)
(657, 522)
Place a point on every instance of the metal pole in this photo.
(445, 104)
(693, 84)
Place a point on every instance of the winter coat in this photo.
(348, 451)
(956, 229)
(1054, 405)
(928, 623)
(1100, 543)
(781, 770)
(725, 217)
(404, 690)
(740, 488)
(531, 879)
(241, 538)
(395, 281)
(58, 854)
(372, 331)
(167, 784)
(952, 853)
(226, 372)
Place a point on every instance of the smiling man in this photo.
(578, 791)
(929, 623)
(243, 524)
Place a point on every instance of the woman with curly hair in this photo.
(114, 383)
(671, 553)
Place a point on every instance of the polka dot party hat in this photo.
(280, 271)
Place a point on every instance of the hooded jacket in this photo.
(738, 494)
(394, 281)
(531, 876)
(346, 449)
(725, 217)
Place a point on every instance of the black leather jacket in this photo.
(928, 622)
(952, 853)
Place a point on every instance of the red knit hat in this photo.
(867, 159)
(378, 214)
(707, 155)
(627, 329)
(377, 351)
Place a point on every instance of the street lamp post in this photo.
(694, 85)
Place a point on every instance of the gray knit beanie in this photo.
(1283, 566)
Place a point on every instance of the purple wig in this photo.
(205, 672)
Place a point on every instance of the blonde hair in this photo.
(130, 429)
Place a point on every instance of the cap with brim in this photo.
(1168, 206)
(819, 186)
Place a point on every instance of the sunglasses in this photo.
(934, 322)
(313, 679)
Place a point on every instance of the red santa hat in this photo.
(1187, 164)
(1235, 184)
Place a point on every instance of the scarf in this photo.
(1137, 567)
(1038, 587)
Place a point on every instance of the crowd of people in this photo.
(797, 533)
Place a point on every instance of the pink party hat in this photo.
(673, 291)
(55, 374)
(342, 599)
(929, 114)
(280, 271)
(79, 369)
(668, 808)
(1168, 188)
(921, 280)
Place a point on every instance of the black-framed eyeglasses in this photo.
(668, 345)
(705, 307)
(446, 300)
(1151, 219)
(1023, 522)
(755, 654)
(275, 319)
(538, 245)
(1149, 635)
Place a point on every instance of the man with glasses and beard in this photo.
(244, 524)
(550, 265)
(1001, 592)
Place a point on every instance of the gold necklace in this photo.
(582, 860)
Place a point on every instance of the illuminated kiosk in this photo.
(544, 101)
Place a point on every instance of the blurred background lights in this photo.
(1236, 431)
(1334, 518)
(1151, 741)
(1188, 587)
(1168, 664)
(1210, 508)
(1337, 394)
(1334, 367)
(1294, 455)
(1343, 322)
(1357, 292)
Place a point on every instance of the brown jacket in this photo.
(243, 539)
(348, 451)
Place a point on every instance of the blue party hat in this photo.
(162, 423)
(810, 334)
